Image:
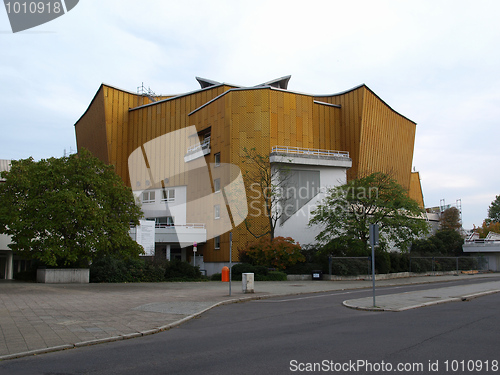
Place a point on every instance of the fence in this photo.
(433, 264)
(354, 266)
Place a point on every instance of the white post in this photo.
(195, 245)
(168, 252)
(9, 266)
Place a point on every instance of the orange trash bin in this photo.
(225, 274)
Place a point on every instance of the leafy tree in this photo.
(494, 211)
(487, 227)
(450, 219)
(447, 242)
(279, 253)
(67, 211)
(267, 185)
(348, 210)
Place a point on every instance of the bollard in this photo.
(247, 280)
(225, 274)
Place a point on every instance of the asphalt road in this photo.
(299, 334)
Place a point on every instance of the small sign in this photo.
(146, 236)
(374, 234)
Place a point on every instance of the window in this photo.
(217, 185)
(217, 211)
(217, 159)
(217, 242)
(168, 195)
(148, 196)
(165, 221)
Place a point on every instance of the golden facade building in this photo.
(220, 120)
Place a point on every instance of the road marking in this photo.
(291, 299)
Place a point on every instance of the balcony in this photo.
(198, 150)
(310, 156)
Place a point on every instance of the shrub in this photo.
(240, 268)
(279, 253)
(216, 277)
(109, 270)
(273, 276)
(179, 270)
(112, 270)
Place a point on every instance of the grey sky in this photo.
(435, 62)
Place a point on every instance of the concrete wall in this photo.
(63, 276)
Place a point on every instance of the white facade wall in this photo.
(176, 208)
(332, 172)
(296, 226)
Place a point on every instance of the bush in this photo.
(216, 277)
(273, 276)
(280, 253)
(109, 270)
(113, 270)
(179, 270)
(307, 268)
(240, 268)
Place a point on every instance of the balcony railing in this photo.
(188, 226)
(201, 146)
(198, 150)
(310, 151)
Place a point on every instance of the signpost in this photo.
(230, 260)
(373, 243)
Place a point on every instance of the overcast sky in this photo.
(436, 62)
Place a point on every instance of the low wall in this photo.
(63, 276)
(383, 276)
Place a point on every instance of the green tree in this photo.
(494, 211)
(446, 242)
(450, 219)
(67, 211)
(348, 210)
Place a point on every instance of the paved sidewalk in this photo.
(39, 318)
(422, 298)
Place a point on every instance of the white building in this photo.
(488, 248)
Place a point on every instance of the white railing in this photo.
(188, 225)
(310, 151)
(482, 240)
(201, 146)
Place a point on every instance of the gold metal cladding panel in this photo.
(387, 141)
(116, 103)
(416, 189)
(91, 128)
(250, 128)
(347, 126)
